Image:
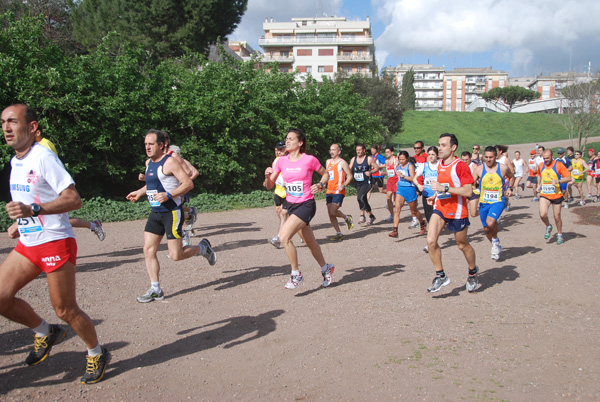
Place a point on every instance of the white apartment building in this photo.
(462, 86)
(428, 84)
(320, 46)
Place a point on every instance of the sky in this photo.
(524, 38)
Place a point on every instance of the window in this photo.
(304, 52)
(321, 69)
(309, 69)
(347, 69)
(327, 35)
(272, 53)
(284, 53)
(302, 69)
(329, 69)
(325, 52)
(359, 69)
(284, 69)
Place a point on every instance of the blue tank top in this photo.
(429, 175)
(158, 182)
(402, 182)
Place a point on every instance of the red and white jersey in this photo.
(40, 177)
(456, 174)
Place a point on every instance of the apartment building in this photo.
(320, 46)
(462, 86)
(242, 49)
(550, 86)
(428, 84)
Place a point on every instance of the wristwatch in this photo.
(169, 196)
(446, 188)
(35, 209)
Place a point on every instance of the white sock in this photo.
(96, 351)
(295, 273)
(43, 329)
(415, 219)
(324, 267)
(495, 240)
(155, 286)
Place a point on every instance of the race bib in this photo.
(597, 171)
(548, 189)
(295, 188)
(359, 176)
(330, 175)
(31, 224)
(391, 173)
(151, 194)
(443, 196)
(427, 181)
(575, 172)
(491, 196)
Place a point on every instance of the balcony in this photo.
(280, 59)
(354, 58)
(315, 41)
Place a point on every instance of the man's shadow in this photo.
(229, 332)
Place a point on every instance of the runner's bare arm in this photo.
(68, 200)
(318, 187)
(136, 195)
(172, 167)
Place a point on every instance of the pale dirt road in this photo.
(232, 332)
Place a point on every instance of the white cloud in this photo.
(528, 33)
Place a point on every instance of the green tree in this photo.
(408, 96)
(581, 111)
(166, 28)
(509, 96)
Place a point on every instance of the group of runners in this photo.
(451, 189)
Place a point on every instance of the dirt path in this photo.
(232, 332)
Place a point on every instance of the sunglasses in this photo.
(417, 147)
(475, 149)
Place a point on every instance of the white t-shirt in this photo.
(39, 178)
(519, 167)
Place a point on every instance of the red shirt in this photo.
(456, 174)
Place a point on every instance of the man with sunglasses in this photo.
(420, 159)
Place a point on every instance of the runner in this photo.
(166, 183)
(474, 198)
(377, 179)
(532, 179)
(453, 187)
(94, 226)
(297, 169)
(519, 165)
(476, 157)
(279, 195)
(420, 158)
(190, 212)
(392, 180)
(504, 159)
(577, 175)
(339, 178)
(406, 191)
(42, 194)
(552, 174)
(597, 174)
(564, 186)
(591, 174)
(492, 177)
(363, 167)
(429, 173)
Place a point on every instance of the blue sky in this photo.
(521, 37)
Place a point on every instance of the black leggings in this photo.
(361, 196)
(427, 208)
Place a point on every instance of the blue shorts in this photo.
(493, 210)
(409, 193)
(334, 199)
(454, 225)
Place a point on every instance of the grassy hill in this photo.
(480, 128)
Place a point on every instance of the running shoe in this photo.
(595, 199)
(362, 220)
(151, 295)
(565, 205)
(548, 232)
(472, 280)
(438, 283)
(349, 222)
(95, 367)
(559, 239)
(570, 199)
(275, 242)
(371, 220)
(185, 240)
(582, 203)
(393, 233)
(423, 227)
(534, 199)
(496, 250)
(426, 248)
(295, 281)
(97, 228)
(414, 224)
(328, 275)
(516, 197)
(389, 219)
(209, 254)
(337, 237)
(43, 344)
(589, 196)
